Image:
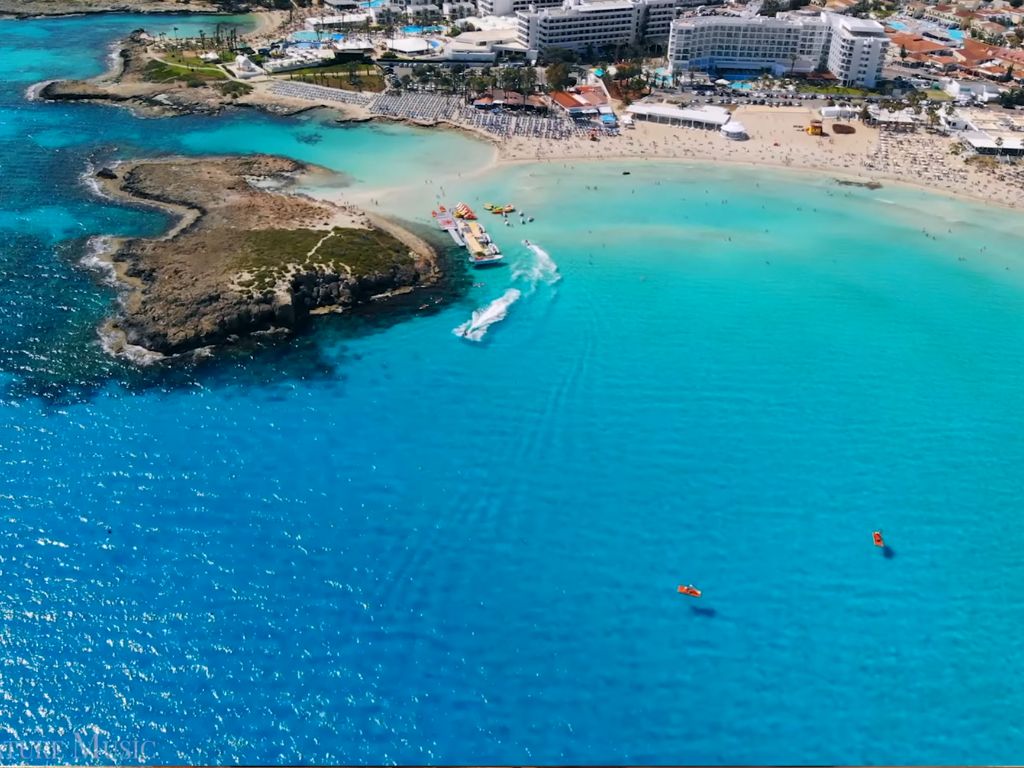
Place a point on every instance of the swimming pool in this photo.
(956, 34)
(371, 3)
(742, 85)
(304, 36)
(416, 30)
(899, 26)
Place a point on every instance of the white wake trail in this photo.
(542, 269)
(476, 327)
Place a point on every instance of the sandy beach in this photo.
(776, 139)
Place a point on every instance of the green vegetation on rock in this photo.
(157, 71)
(234, 88)
(268, 254)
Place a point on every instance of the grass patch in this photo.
(234, 89)
(368, 70)
(934, 94)
(267, 253)
(346, 77)
(830, 90)
(343, 82)
(157, 71)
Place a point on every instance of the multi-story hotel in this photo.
(579, 24)
(853, 50)
(511, 7)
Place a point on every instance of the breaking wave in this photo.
(95, 259)
(476, 327)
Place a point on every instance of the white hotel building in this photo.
(579, 24)
(853, 50)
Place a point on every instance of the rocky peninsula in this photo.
(244, 255)
(30, 8)
(156, 82)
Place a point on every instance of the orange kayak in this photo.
(688, 590)
(877, 538)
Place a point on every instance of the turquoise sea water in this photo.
(386, 543)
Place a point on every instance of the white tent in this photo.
(734, 130)
(722, 81)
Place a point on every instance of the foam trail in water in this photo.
(476, 327)
(542, 269)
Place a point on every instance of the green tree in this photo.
(557, 75)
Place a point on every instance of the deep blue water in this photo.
(386, 543)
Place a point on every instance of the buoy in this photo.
(877, 538)
(688, 590)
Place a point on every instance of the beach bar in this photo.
(708, 118)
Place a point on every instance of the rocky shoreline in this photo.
(34, 9)
(241, 258)
(132, 82)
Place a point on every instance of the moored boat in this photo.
(470, 234)
(688, 589)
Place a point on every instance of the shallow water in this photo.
(387, 543)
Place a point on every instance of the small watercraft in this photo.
(688, 589)
(877, 538)
(526, 243)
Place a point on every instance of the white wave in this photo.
(476, 327)
(114, 344)
(541, 269)
(96, 250)
(32, 92)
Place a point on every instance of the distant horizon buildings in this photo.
(852, 49)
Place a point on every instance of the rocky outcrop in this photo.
(241, 259)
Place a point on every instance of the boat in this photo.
(488, 206)
(877, 538)
(688, 589)
(471, 235)
(501, 209)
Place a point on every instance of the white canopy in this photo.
(722, 81)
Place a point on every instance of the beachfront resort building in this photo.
(591, 25)
(579, 25)
(512, 7)
(853, 50)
